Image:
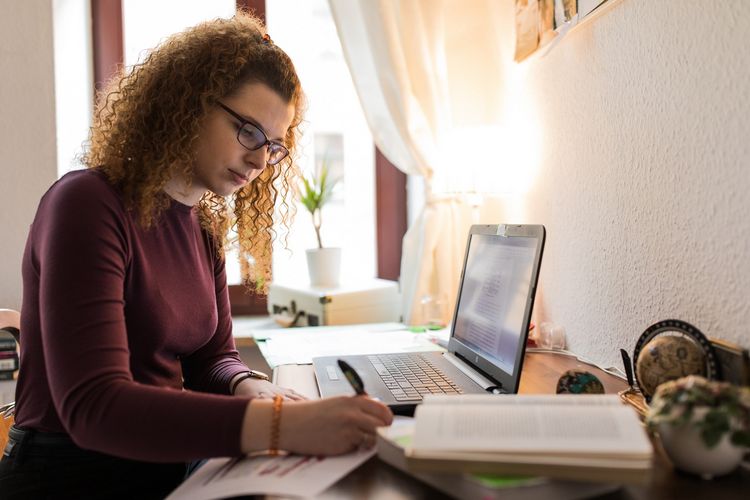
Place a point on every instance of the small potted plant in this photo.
(704, 425)
(323, 263)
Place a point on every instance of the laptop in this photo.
(488, 334)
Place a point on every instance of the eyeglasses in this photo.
(252, 137)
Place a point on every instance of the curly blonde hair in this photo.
(147, 123)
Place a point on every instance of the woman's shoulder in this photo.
(89, 179)
(83, 189)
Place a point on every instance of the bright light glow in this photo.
(501, 159)
(74, 87)
(146, 23)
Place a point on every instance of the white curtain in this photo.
(429, 76)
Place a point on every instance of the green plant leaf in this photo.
(741, 438)
(308, 196)
(714, 425)
(323, 175)
(315, 192)
(711, 437)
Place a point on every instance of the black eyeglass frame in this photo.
(273, 146)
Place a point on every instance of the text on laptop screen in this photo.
(492, 301)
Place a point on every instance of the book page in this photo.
(531, 424)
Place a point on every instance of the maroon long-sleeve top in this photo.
(114, 317)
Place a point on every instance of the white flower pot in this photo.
(324, 266)
(687, 451)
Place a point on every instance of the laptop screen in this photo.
(491, 316)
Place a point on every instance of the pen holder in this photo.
(432, 311)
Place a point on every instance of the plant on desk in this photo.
(323, 263)
(703, 425)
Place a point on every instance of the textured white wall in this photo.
(27, 130)
(643, 183)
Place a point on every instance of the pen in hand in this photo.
(353, 378)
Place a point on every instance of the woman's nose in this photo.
(258, 158)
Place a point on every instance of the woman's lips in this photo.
(237, 178)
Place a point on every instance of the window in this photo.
(146, 23)
(74, 89)
(336, 132)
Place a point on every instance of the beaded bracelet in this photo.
(273, 449)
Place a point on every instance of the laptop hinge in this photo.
(480, 380)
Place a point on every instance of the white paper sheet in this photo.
(291, 475)
(300, 345)
(262, 328)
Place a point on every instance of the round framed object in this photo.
(669, 350)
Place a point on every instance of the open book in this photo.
(393, 441)
(586, 437)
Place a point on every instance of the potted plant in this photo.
(323, 263)
(704, 425)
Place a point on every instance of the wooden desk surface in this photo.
(5, 424)
(376, 479)
(541, 371)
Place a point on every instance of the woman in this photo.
(129, 366)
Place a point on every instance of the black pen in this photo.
(353, 378)
(628, 367)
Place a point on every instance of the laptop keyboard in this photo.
(410, 376)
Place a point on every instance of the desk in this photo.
(375, 479)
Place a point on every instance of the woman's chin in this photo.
(226, 190)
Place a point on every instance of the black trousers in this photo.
(42, 465)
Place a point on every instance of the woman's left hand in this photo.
(263, 389)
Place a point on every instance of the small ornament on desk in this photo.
(579, 382)
(669, 350)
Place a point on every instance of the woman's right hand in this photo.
(330, 426)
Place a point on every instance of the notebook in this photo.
(488, 335)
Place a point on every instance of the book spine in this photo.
(7, 344)
(7, 339)
(10, 365)
(8, 361)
